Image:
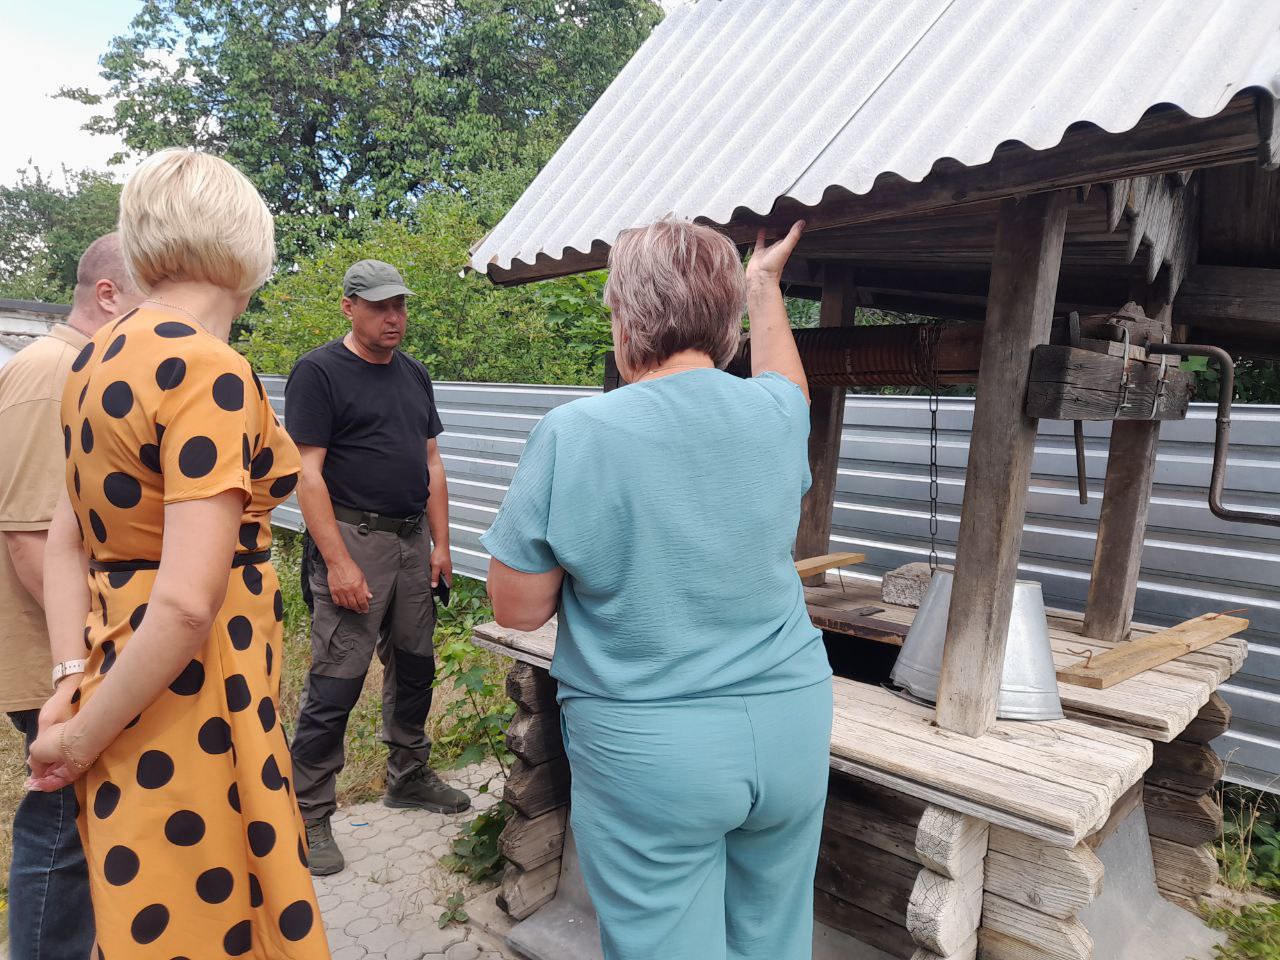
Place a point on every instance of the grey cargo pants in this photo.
(399, 626)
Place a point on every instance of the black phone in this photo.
(441, 592)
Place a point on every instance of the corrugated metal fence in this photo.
(1192, 562)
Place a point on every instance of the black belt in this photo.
(366, 521)
(129, 566)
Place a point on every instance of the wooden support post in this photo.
(1024, 279)
(826, 424)
(1122, 522)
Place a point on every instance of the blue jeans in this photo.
(50, 915)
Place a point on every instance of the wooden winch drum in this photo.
(1029, 684)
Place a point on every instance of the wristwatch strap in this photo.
(66, 668)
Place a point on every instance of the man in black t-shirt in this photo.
(364, 417)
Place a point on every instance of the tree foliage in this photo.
(461, 326)
(365, 106)
(45, 224)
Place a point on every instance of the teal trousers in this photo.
(697, 821)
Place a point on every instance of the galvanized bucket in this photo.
(1029, 686)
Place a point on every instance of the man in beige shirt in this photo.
(50, 917)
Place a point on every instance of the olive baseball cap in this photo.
(373, 280)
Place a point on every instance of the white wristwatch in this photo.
(66, 668)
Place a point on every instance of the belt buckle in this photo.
(407, 526)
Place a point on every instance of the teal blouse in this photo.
(672, 505)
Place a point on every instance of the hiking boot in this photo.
(323, 854)
(424, 790)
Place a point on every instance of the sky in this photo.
(36, 58)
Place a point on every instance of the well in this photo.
(1045, 177)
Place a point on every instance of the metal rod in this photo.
(1226, 390)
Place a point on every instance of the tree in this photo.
(45, 224)
(462, 327)
(365, 105)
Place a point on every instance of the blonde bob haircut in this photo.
(675, 285)
(186, 215)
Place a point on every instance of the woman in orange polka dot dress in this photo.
(174, 463)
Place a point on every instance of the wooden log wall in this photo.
(1032, 893)
(1183, 814)
(538, 792)
(899, 874)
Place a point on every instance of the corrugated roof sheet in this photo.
(737, 103)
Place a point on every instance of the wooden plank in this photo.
(1055, 780)
(943, 913)
(1077, 759)
(523, 892)
(829, 561)
(1234, 300)
(1122, 521)
(1180, 818)
(875, 931)
(882, 818)
(531, 688)
(876, 881)
(1210, 723)
(535, 647)
(1156, 705)
(535, 737)
(531, 843)
(1188, 768)
(1109, 668)
(1024, 276)
(950, 844)
(826, 424)
(1057, 939)
(533, 791)
(1071, 383)
(1053, 880)
(1131, 800)
(1182, 870)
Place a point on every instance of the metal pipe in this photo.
(1226, 390)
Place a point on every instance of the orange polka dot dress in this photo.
(190, 826)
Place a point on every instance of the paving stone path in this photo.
(387, 902)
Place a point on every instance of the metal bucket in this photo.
(1029, 685)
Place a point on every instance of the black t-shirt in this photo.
(373, 418)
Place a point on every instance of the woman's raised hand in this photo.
(766, 262)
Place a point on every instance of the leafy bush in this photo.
(1254, 932)
(476, 852)
(1249, 849)
(460, 325)
(475, 721)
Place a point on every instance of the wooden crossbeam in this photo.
(828, 561)
(1130, 659)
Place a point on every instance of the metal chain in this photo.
(929, 335)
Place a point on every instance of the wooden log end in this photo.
(950, 843)
(524, 891)
(943, 913)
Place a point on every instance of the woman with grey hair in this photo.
(658, 519)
